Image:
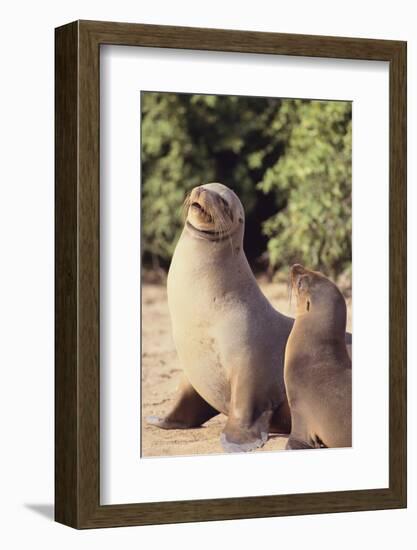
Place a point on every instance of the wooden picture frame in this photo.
(77, 373)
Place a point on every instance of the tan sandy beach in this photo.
(160, 376)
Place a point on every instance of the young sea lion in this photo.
(229, 339)
(318, 369)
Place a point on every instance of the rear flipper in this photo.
(190, 410)
(240, 436)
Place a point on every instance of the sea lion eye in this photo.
(308, 305)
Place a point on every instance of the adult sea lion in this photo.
(229, 339)
(318, 369)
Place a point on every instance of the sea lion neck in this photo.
(211, 267)
(216, 245)
(323, 331)
(323, 321)
(329, 312)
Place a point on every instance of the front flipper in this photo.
(300, 434)
(294, 443)
(190, 410)
(240, 435)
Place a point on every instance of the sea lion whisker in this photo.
(211, 213)
(223, 227)
(224, 223)
(219, 224)
(217, 220)
(231, 245)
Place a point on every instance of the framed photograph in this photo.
(230, 274)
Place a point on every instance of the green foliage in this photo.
(288, 160)
(314, 175)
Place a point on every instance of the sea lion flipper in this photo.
(295, 443)
(240, 436)
(300, 434)
(190, 410)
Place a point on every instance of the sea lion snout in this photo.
(212, 210)
(201, 206)
(201, 196)
(207, 199)
(298, 269)
(298, 274)
(196, 192)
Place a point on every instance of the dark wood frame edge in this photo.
(77, 380)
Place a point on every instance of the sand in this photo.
(161, 371)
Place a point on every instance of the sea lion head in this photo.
(214, 212)
(318, 296)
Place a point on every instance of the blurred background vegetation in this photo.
(288, 160)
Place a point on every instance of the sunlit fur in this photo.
(217, 217)
(220, 221)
